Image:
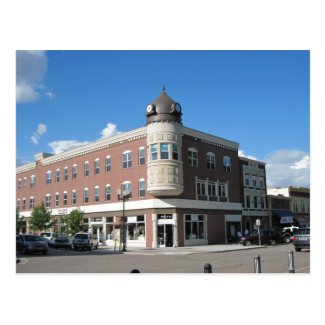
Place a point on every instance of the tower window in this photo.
(164, 151)
(154, 152)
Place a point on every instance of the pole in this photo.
(259, 235)
(207, 268)
(291, 264)
(123, 225)
(257, 264)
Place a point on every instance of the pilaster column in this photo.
(175, 230)
(154, 231)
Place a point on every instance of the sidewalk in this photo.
(185, 250)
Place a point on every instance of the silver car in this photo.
(84, 240)
(31, 244)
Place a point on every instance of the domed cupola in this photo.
(164, 108)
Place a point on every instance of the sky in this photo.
(259, 99)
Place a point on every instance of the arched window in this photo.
(127, 185)
(48, 200)
(74, 197)
(127, 159)
(192, 157)
(107, 192)
(142, 159)
(227, 164)
(48, 177)
(66, 173)
(211, 160)
(96, 194)
(142, 188)
(96, 167)
(86, 168)
(108, 163)
(74, 171)
(86, 195)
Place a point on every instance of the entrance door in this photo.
(165, 235)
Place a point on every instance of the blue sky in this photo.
(259, 99)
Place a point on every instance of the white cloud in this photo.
(241, 154)
(109, 131)
(288, 167)
(41, 129)
(31, 67)
(64, 145)
(50, 95)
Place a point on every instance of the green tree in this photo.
(74, 223)
(40, 218)
(19, 222)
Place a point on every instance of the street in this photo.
(274, 259)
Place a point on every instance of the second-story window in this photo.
(25, 183)
(247, 177)
(31, 203)
(200, 188)
(164, 151)
(96, 167)
(154, 151)
(57, 197)
(48, 177)
(210, 160)
(24, 204)
(74, 171)
(57, 175)
(248, 201)
(127, 186)
(175, 151)
(86, 168)
(65, 198)
(142, 159)
(192, 157)
(48, 200)
(254, 180)
(127, 159)
(107, 192)
(19, 184)
(142, 188)
(74, 197)
(96, 194)
(86, 195)
(261, 181)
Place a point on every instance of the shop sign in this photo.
(98, 219)
(286, 219)
(62, 211)
(132, 219)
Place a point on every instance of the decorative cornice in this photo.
(211, 139)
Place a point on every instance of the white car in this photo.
(50, 237)
(84, 240)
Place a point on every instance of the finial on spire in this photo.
(164, 87)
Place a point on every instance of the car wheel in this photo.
(286, 239)
(89, 248)
(96, 247)
(247, 243)
(297, 249)
(44, 253)
(75, 248)
(24, 251)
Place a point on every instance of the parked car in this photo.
(50, 237)
(31, 244)
(301, 239)
(285, 234)
(63, 242)
(84, 240)
(268, 237)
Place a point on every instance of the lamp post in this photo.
(123, 194)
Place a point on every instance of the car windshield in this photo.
(81, 236)
(32, 238)
(46, 234)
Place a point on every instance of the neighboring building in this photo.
(184, 184)
(253, 195)
(299, 203)
(279, 211)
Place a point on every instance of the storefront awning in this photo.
(284, 215)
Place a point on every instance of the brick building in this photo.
(182, 186)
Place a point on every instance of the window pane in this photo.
(164, 154)
(154, 154)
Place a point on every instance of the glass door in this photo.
(165, 235)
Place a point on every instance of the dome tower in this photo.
(164, 147)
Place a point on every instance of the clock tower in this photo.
(164, 147)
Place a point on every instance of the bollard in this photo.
(291, 264)
(207, 268)
(257, 264)
(135, 271)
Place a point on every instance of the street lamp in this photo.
(123, 194)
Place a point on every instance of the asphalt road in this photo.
(274, 259)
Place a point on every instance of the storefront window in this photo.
(194, 226)
(136, 228)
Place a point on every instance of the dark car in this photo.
(301, 239)
(268, 237)
(62, 242)
(31, 244)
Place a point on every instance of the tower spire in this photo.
(163, 88)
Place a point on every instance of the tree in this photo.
(74, 223)
(40, 218)
(19, 222)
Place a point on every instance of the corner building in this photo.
(184, 184)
